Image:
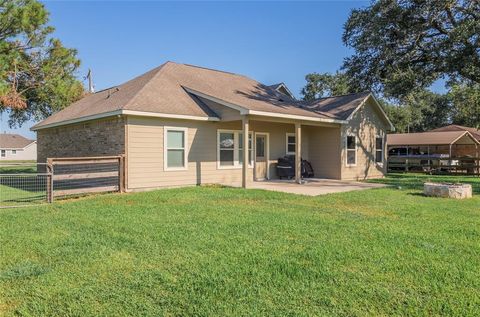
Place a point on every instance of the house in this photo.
(14, 147)
(180, 124)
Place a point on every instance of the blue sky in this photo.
(268, 41)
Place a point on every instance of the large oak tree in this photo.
(403, 45)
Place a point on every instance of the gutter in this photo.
(120, 113)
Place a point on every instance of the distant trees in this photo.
(37, 73)
(401, 47)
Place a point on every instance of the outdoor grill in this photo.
(286, 167)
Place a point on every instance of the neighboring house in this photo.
(184, 125)
(14, 147)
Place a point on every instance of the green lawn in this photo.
(209, 251)
(23, 186)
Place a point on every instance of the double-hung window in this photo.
(175, 151)
(379, 149)
(3, 153)
(351, 144)
(230, 149)
(14, 152)
(290, 144)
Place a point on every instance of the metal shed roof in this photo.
(429, 138)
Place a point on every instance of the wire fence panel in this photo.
(78, 176)
(23, 184)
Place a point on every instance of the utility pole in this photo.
(91, 88)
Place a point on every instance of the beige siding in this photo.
(145, 154)
(277, 141)
(28, 153)
(365, 125)
(223, 112)
(325, 151)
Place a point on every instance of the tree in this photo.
(324, 85)
(420, 111)
(37, 73)
(465, 99)
(403, 45)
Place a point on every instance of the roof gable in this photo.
(428, 138)
(456, 127)
(14, 141)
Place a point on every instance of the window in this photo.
(290, 146)
(227, 148)
(240, 148)
(3, 153)
(260, 146)
(351, 150)
(230, 149)
(379, 149)
(175, 152)
(14, 152)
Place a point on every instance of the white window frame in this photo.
(14, 152)
(236, 148)
(381, 150)
(347, 149)
(286, 143)
(3, 153)
(165, 148)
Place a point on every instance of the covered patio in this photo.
(313, 186)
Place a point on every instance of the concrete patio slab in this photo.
(313, 186)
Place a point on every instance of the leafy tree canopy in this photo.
(325, 85)
(403, 45)
(36, 70)
(420, 111)
(465, 99)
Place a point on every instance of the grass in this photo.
(18, 190)
(209, 251)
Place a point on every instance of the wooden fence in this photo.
(435, 164)
(83, 175)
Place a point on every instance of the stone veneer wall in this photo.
(94, 138)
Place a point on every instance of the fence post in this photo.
(121, 174)
(49, 181)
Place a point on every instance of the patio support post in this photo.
(245, 152)
(298, 153)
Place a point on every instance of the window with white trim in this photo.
(230, 148)
(290, 144)
(3, 153)
(14, 152)
(175, 152)
(379, 149)
(351, 144)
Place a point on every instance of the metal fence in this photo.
(434, 164)
(23, 183)
(29, 183)
(83, 175)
